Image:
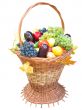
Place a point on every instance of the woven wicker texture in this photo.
(46, 95)
(43, 87)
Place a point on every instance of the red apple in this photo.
(42, 42)
(36, 35)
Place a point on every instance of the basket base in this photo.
(46, 97)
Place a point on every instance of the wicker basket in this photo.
(43, 87)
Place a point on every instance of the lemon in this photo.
(57, 50)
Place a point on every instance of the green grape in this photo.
(56, 30)
(52, 33)
(50, 29)
(47, 35)
(64, 41)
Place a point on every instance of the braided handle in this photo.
(32, 6)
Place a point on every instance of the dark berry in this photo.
(31, 48)
(43, 30)
(25, 43)
(27, 52)
(31, 53)
(21, 48)
(27, 49)
(28, 36)
(22, 53)
(43, 50)
(68, 35)
(31, 44)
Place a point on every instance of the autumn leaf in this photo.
(13, 50)
(67, 61)
(27, 68)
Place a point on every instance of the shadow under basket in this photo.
(43, 87)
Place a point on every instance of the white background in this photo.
(12, 80)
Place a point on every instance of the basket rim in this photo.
(66, 54)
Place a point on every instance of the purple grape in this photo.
(27, 49)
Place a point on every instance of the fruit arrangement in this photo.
(46, 43)
(43, 54)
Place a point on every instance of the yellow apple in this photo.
(51, 42)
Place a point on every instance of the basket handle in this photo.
(39, 3)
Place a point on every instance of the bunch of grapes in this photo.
(27, 49)
(64, 41)
(52, 33)
(57, 30)
(47, 35)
